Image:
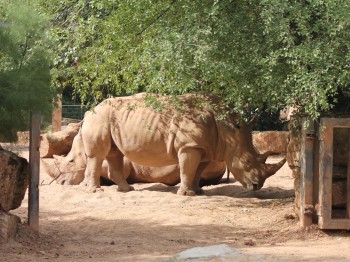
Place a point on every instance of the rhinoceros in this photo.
(69, 169)
(157, 131)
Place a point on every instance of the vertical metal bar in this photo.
(34, 166)
(348, 181)
(306, 189)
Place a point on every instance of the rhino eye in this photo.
(247, 163)
(71, 161)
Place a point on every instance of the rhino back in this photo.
(153, 138)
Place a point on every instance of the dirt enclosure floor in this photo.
(152, 223)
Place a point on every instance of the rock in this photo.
(23, 138)
(293, 152)
(218, 253)
(273, 141)
(203, 253)
(14, 179)
(8, 226)
(58, 143)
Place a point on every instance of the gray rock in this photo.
(8, 226)
(207, 252)
(221, 252)
(14, 179)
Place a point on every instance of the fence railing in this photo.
(74, 111)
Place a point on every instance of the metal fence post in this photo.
(34, 166)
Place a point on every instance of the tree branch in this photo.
(23, 54)
(162, 13)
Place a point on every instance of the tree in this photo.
(259, 55)
(24, 67)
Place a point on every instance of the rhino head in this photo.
(69, 169)
(248, 166)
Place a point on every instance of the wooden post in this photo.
(306, 164)
(34, 166)
(348, 181)
(57, 116)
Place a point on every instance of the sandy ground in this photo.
(152, 223)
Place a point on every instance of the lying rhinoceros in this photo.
(69, 170)
(161, 131)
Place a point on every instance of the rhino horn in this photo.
(262, 157)
(271, 169)
(50, 167)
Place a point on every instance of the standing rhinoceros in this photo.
(69, 169)
(161, 131)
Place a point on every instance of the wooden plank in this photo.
(341, 223)
(306, 165)
(325, 172)
(34, 168)
(337, 122)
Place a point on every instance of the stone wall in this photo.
(293, 157)
(273, 141)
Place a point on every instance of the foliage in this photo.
(258, 54)
(24, 67)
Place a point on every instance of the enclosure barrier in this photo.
(77, 112)
(325, 173)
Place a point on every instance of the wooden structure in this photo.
(34, 170)
(57, 116)
(319, 160)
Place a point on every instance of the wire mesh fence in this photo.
(75, 112)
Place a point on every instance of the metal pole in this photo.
(34, 168)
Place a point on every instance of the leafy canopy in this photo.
(24, 67)
(258, 54)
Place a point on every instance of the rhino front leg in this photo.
(116, 174)
(189, 160)
(92, 174)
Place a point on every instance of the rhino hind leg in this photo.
(189, 162)
(116, 174)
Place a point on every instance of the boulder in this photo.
(8, 226)
(58, 143)
(273, 141)
(14, 179)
